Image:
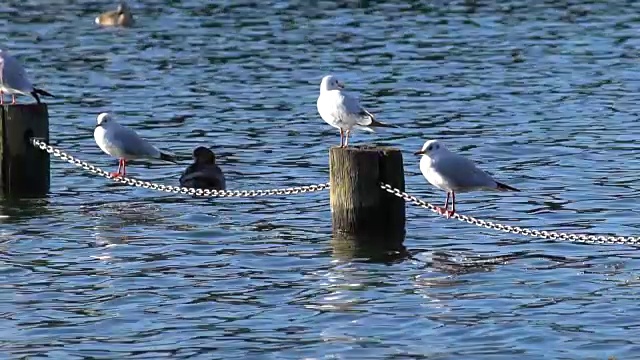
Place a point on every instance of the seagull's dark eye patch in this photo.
(429, 148)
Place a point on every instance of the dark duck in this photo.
(203, 173)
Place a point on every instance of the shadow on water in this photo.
(467, 262)
(389, 249)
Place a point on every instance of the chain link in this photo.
(40, 144)
(551, 235)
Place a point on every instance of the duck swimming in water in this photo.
(203, 173)
(119, 17)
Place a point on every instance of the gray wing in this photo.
(131, 144)
(352, 106)
(343, 108)
(462, 173)
(12, 74)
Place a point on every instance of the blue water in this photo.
(542, 95)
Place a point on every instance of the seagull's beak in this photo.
(341, 85)
(419, 153)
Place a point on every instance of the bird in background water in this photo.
(454, 173)
(343, 110)
(124, 144)
(119, 17)
(204, 173)
(14, 80)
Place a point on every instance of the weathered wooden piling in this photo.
(359, 207)
(25, 169)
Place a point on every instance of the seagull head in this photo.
(331, 82)
(204, 156)
(104, 119)
(431, 148)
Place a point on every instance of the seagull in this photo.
(13, 79)
(454, 173)
(124, 144)
(119, 17)
(203, 173)
(342, 110)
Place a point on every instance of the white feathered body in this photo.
(124, 143)
(343, 111)
(13, 78)
(452, 172)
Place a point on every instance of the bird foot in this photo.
(116, 174)
(445, 212)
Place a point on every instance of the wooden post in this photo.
(359, 207)
(25, 169)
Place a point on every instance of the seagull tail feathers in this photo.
(37, 91)
(505, 187)
(376, 123)
(168, 157)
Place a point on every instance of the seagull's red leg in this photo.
(124, 167)
(443, 210)
(346, 141)
(117, 173)
(341, 137)
(1, 98)
(13, 99)
(453, 205)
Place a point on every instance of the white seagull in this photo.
(342, 110)
(124, 144)
(454, 173)
(13, 79)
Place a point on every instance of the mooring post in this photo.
(359, 207)
(25, 169)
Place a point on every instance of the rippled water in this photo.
(543, 95)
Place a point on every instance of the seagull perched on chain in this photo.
(454, 173)
(14, 80)
(343, 111)
(124, 144)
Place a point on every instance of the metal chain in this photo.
(40, 144)
(551, 235)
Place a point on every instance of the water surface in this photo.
(541, 94)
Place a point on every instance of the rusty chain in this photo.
(551, 235)
(40, 144)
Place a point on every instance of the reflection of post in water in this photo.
(18, 210)
(383, 248)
